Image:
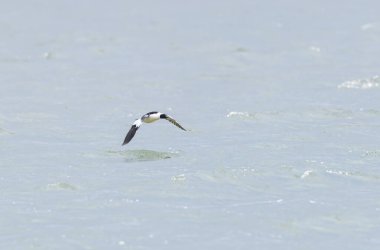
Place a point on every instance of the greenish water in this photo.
(142, 155)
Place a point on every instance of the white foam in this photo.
(315, 49)
(306, 174)
(238, 114)
(369, 83)
(369, 26)
(338, 172)
(180, 177)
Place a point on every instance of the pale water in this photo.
(282, 100)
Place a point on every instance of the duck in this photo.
(149, 118)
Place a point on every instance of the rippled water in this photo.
(142, 155)
(281, 101)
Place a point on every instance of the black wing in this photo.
(130, 134)
(174, 122)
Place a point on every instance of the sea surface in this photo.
(281, 100)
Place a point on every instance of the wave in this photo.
(369, 83)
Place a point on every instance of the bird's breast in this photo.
(151, 119)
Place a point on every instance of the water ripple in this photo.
(369, 83)
(143, 155)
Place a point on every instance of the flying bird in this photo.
(148, 118)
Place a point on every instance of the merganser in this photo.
(148, 118)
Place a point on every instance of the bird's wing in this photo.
(170, 119)
(132, 131)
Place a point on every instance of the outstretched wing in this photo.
(132, 131)
(174, 122)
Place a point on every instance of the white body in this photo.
(151, 118)
(137, 123)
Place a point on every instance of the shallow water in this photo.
(142, 155)
(281, 101)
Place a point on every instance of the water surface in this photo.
(281, 100)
